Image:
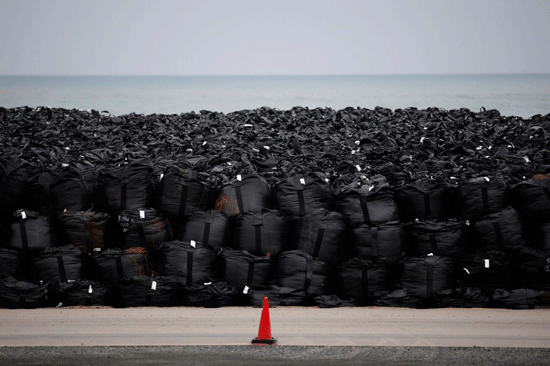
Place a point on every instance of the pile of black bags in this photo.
(357, 207)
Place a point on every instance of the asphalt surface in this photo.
(306, 336)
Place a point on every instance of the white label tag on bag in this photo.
(486, 263)
(90, 289)
(193, 243)
(430, 254)
(239, 178)
(303, 181)
(141, 214)
(154, 285)
(468, 272)
(358, 167)
(245, 290)
(487, 179)
(23, 215)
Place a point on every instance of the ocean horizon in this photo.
(522, 95)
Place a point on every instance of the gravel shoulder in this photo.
(272, 355)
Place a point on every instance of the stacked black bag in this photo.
(246, 193)
(261, 233)
(90, 231)
(209, 227)
(127, 187)
(192, 262)
(183, 192)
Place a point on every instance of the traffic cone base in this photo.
(264, 333)
(272, 341)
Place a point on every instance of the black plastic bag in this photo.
(147, 228)
(301, 194)
(532, 198)
(261, 233)
(30, 232)
(517, 299)
(210, 295)
(424, 199)
(19, 294)
(500, 231)
(423, 277)
(297, 269)
(383, 244)
(243, 270)
(362, 280)
(333, 301)
(321, 234)
(11, 263)
(400, 299)
(447, 238)
(487, 271)
(481, 196)
(13, 174)
(371, 203)
(84, 293)
(127, 187)
(530, 268)
(246, 193)
(61, 264)
(112, 265)
(192, 262)
(90, 231)
(461, 297)
(182, 192)
(277, 296)
(149, 291)
(210, 227)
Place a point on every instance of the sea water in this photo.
(522, 95)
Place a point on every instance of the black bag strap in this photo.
(141, 235)
(301, 203)
(309, 272)
(365, 208)
(189, 267)
(427, 207)
(374, 241)
(485, 197)
(430, 263)
(183, 200)
(433, 244)
(546, 191)
(239, 195)
(250, 276)
(300, 192)
(61, 266)
(23, 231)
(206, 233)
(318, 242)
(119, 269)
(364, 284)
(124, 187)
(258, 223)
(498, 235)
(123, 198)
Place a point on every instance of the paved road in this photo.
(292, 326)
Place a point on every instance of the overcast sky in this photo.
(240, 37)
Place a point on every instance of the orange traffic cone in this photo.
(264, 333)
